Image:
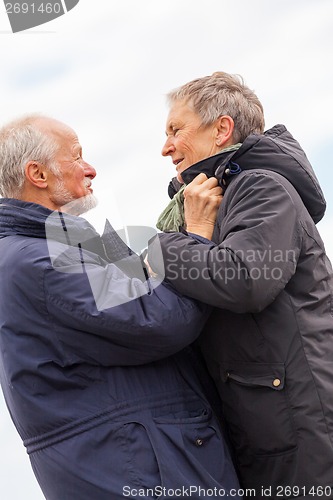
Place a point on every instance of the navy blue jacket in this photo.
(105, 406)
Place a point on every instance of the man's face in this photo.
(187, 140)
(75, 175)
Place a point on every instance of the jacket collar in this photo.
(214, 166)
(31, 219)
(19, 218)
(35, 221)
(276, 150)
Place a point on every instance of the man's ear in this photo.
(36, 173)
(225, 128)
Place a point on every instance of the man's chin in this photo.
(81, 205)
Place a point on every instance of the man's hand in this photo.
(203, 197)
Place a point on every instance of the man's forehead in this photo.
(51, 126)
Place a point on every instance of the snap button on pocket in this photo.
(199, 442)
(276, 382)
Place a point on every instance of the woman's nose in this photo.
(168, 147)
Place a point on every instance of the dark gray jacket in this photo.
(269, 342)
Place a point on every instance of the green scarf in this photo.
(173, 217)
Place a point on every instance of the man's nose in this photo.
(168, 147)
(89, 170)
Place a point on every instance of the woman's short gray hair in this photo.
(20, 142)
(223, 94)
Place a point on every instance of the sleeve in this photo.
(103, 316)
(257, 255)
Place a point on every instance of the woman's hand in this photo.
(203, 197)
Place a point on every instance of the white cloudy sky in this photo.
(104, 69)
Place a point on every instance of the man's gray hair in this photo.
(223, 94)
(20, 142)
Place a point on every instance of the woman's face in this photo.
(187, 141)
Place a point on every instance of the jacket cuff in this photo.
(196, 237)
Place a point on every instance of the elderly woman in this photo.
(269, 341)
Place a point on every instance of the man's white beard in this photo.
(70, 205)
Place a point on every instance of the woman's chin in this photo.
(179, 178)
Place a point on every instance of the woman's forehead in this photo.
(181, 111)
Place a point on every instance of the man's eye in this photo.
(175, 131)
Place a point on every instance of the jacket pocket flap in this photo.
(270, 375)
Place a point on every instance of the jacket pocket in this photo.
(141, 462)
(193, 444)
(158, 448)
(256, 408)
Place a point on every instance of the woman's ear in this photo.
(225, 127)
(36, 174)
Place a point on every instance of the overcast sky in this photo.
(104, 69)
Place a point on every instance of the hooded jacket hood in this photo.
(276, 150)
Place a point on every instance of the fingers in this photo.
(202, 184)
(203, 197)
(203, 179)
(149, 269)
(199, 179)
(217, 191)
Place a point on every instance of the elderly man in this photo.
(93, 368)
